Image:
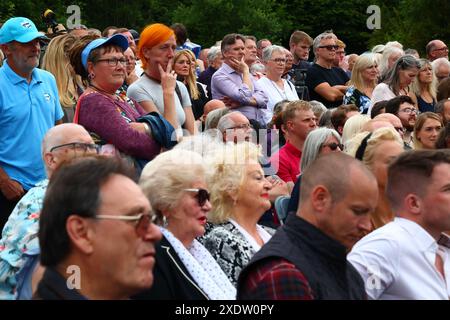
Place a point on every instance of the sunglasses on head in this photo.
(333, 146)
(202, 195)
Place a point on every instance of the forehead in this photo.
(364, 193)
(238, 118)
(250, 42)
(405, 105)
(327, 41)
(119, 194)
(171, 41)
(76, 134)
(431, 122)
(441, 175)
(304, 113)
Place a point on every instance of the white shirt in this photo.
(380, 93)
(275, 94)
(265, 236)
(397, 261)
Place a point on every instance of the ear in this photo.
(289, 125)
(320, 199)
(90, 67)
(81, 233)
(50, 161)
(413, 204)
(146, 53)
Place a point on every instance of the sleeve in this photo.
(274, 279)
(376, 261)
(223, 85)
(59, 114)
(137, 92)
(259, 95)
(100, 115)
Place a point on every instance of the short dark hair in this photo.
(181, 33)
(393, 105)
(74, 188)
(339, 115)
(106, 30)
(444, 137)
(250, 38)
(411, 173)
(443, 89)
(377, 107)
(229, 40)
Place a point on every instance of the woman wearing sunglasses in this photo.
(175, 184)
(240, 196)
(377, 150)
(319, 141)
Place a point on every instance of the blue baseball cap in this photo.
(117, 39)
(19, 29)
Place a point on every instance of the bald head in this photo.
(391, 118)
(436, 49)
(212, 105)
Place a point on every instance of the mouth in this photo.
(148, 258)
(265, 196)
(202, 220)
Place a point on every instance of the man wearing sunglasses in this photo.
(106, 223)
(19, 247)
(436, 49)
(326, 83)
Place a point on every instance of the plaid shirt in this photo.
(275, 279)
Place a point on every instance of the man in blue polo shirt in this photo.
(29, 107)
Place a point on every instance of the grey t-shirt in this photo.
(146, 89)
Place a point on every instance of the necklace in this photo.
(112, 96)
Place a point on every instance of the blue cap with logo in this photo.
(117, 39)
(19, 29)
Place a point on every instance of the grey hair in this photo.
(213, 53)
(212, 119)
(320, 37)
(313, 145)
(318, 108)
(436, 64)
(268, 51)
(226, 122)
(388, 51)
(257, 67)
(404, 63)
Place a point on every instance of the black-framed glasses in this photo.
(279, 60)
(85, 147)
(330, 47)
(112, 62)
(141, 221)
(333, 146)
(441, 49)
(202, 195)
(409, 110)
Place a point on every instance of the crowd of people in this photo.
(141, 166)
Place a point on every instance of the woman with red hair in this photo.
(157, 90)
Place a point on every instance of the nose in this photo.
(207, 206)
(171, 53)
(364, 224)
(153, 233)
(267, 184)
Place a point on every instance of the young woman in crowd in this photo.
(426, 130)
(424, 87)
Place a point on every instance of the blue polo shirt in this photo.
(27, 112)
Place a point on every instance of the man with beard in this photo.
(403, 107)
(29, 107)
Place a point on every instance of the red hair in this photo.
(151, 36)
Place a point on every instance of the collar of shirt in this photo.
(14, 78)
(226, 68)
(424, 241)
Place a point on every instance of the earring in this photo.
(165, 223)
(91, 76)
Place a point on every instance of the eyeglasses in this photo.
(112, 62)
(330, 47)
(441, 49)
(241, 126)
(141, 221)
(202, 195)
(333, 146)
(409, 110)
(279, 60)
(91, 147)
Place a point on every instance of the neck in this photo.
(23, 73)
(180, 234)
(95, 86)
(152, 73)
(296, 142)
(274, 77)
(324, 64)
(93, 285)
(383, 212)
(296, 59)
(246, 217)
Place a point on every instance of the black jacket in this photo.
(321, 259)
(53, 286)
(171, 281)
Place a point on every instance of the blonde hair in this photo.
(190, 79)
(378, 136)
(353, 126)
(164, 178)
(417, 86)
(419, 124)
(57, 62)
(226, 176)
(363, 62)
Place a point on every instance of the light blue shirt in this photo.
(27, 112)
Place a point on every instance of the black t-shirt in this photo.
(317, 75)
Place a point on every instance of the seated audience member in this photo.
(239, 196)
(184, 67)
(376, 150)
(275, 88)
(319, 141)
(235, 127)
(306, 258)
(19, 244)
(353, 126)
(443, 109)
(443, 90)
(157, 90)
(362, 82)
(443, 140)
(426, 130)
(424, 87)
(398, 80)
(441, 68)
(326, 83)
(175, 184)
(389, 57)
(298, 122)
(233, 83)
(300, 44)
(210, 106)
(405, 258)
(95, 217)
(110, 117)
(277, 121)
(436, 49)
(403, 107)
(393, 120)
(213, 117)
(318, 108)
(215, 61)
(378, 108)
(341, 114)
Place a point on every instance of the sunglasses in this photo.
(202, 195)
(330, 47)
(141, 221)
(333, 146)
